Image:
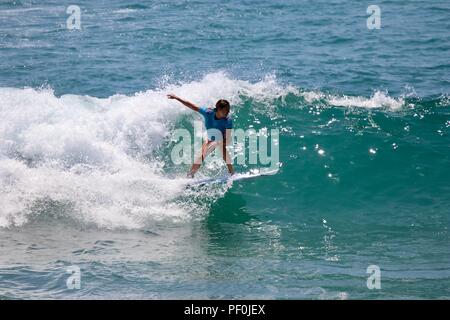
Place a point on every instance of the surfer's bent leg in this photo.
(207, 148)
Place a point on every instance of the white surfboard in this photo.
(233, 178)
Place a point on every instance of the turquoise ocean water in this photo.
(86, 134)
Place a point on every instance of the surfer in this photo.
(216, 120)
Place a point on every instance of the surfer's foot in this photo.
(190, 175)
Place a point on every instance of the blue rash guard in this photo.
(211, 122)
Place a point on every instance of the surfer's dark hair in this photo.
(222, 103)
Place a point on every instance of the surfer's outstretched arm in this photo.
(188, 104)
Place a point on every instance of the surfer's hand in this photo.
(172, 96)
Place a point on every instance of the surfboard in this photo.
(233, 178)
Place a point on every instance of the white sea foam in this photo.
(125, 11)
